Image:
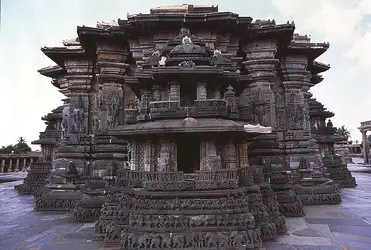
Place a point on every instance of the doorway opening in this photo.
(188, 152)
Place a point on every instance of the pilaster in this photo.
(149, 156)
(111, 66)
(365, 147)
(201, 91)
(260, 65)
(242, 154)
(230, 155)
(174, 93)
(296, 80)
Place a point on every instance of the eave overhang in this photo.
(60, 54)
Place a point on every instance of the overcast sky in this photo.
(27, 25)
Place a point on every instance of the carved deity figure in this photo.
(64, 124)
(187, 47)
(87, 169)
(162, 164)
(219, 59)
(113, 109)
(78, 120)
(329, 124)
(71, 168)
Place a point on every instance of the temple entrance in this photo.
(188, 152)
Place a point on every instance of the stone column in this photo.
(165, 154)
(24, 163)
(111, 67)
(10, 165)
(157, 93)
(2, 165)
(17, 165)
(242, 154)
(149, 156)
(261, 66)
(144, 105)
(217, 93)
(173, 154)
(134, 160)
(365, 147)
(31, 161)
(174, 94)
(296, 79)
(230, 155)
(203, 154)
(212, 162)
(201, 91)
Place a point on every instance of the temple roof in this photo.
(183, 9)
(317, 109)
(59, 54)
(302, 45)
(318, 67)
(52, 71)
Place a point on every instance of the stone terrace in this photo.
(343, 226)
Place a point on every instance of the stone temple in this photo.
(184, 128)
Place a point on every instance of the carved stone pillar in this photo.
(165, 155)
(134, 152)
(79, 83)
(297, 135)
(201, 91)
(149, 156)
(261, 66)
(11, 165)
(2, 165)
(174, 94)
(17, 164)
(173, 154)
(24, 163)
(212, 160)
(242, 154)
(217, 93)
(203, 154)
(230, 155)
(157, 93)
(365, 147)
(145, 98)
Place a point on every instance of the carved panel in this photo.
(295, 116)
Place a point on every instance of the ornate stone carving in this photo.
(295, 116)
(187, 64)
(113, 106)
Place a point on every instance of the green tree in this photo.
(7, 150)
(343, 131)
(21, 147)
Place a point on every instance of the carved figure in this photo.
(162, 164)
(178, 241)
(71, 168)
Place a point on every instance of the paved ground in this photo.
(328, 227)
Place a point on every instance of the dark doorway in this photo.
(188, 150)
(188, 94)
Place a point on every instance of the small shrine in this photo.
(326, 136)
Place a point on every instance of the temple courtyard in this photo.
(343, 226)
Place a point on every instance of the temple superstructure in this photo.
(189, 127)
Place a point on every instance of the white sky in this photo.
(27, 25)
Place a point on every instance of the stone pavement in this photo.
(328, 227)
(12, 176)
